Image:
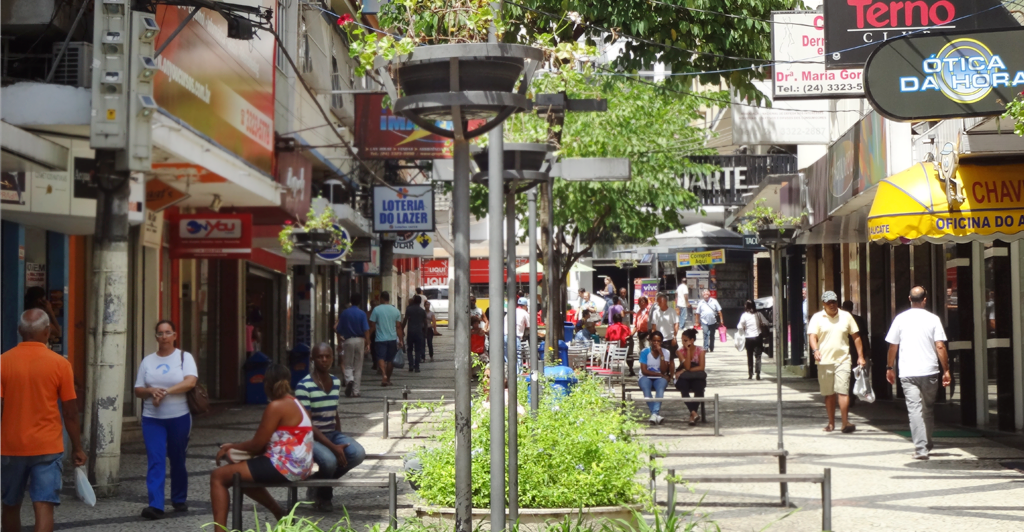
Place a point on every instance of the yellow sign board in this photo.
(700, 258)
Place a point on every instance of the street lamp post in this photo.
(535, 364)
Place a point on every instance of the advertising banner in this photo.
(953, 75)
(855, 28)
(645, 287)
(414, 244)
(14, 193)
(380, 134)
(224, 88)
(798, 49)
(700, 258)
(403, 208)
(211, 236)
(434, 273)
(857, 161)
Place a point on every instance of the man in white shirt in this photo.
(917, 336)
(709, 315)
(683, 302)
(665, 321)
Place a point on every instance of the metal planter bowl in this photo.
(777, 235)
(523, 161)
(313, 240)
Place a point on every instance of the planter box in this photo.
(530, 519)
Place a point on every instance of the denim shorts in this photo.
(41, 474)
(386, 350)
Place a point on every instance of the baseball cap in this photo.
(523, 302)
(829, 296)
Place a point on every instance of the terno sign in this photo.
(953, 75)
(226, 236)
(855, 28)
(403, 208)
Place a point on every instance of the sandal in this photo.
(829, 428)
(849, 428)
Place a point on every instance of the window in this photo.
(282, 30)
(337, 99)
(305, 60)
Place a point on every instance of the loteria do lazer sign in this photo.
(952, 75)
(213, 236)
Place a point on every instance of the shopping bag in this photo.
(862, 384)
(740, 341)
(400, 358)
(83, 488)
(722, 334)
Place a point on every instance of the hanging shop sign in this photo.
(751, 241)
(336, 253)
(434, 273)
(859, 160)
(14, 194)
(211, 236)
(414, 244)
(372, 265)
(700, 258)
(855, 28)
(736, 175)
(221, 87)
(380, 134)
(798, 54)
(403, 208)
(160, 195)
(152, 232)
(295, 175)
(954, 75)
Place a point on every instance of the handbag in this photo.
(722, 334)
(400, 358)
(198, 398)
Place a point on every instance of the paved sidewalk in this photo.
(875, 483)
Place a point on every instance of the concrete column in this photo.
(965, 358)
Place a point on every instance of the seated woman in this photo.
(655, 373)
(282, 449)
(581, 334)
(691, 377)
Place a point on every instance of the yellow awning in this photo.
(912, 205)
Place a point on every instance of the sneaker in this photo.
(653, 419)
(920, 456)
(349, 387)
(152, 513)
(658, 419)
(180, 507)
(417, 370)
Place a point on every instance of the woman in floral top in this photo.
(281, 450)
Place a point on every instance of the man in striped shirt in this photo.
(334, 453)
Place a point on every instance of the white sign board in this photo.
(414, 244)
(403, 208)
(783, 123)
(798, 54)
(35, 275)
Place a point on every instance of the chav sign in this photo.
(403, 208)
(700, 258)
(952, 75)
(211, 236)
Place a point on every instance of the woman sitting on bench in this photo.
(691, 377)
(281, 451)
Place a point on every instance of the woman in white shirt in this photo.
(750, 328)
(164, 378)
(656, 371)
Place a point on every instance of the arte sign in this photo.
(700, 258)
(798, 51)
(403, 208)
(855, 28)
(953, 75)
(415, 244)
(736, 175)
(380, 134)
(211, 236)
(434, 273)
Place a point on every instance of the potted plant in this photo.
(320, 232)
(772, 228)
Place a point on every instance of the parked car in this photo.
(438, 298)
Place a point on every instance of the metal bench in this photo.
(293, 490)
(825, 479)
(781, 454)
(701, 400)
(387, 409)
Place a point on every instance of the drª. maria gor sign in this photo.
(403, 208)
(952, 75)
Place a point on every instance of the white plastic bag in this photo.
(400, 359)
(862, 384)
(740, 341)
(83, 488)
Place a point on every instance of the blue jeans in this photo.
(519, 362)
(414, 349)
(658, 384)
(166, 439)
(41, 474)
(682, 317)
(328, 463)
(709, 331)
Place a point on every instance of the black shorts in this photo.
(263, 471)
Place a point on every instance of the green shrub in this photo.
(580, 450)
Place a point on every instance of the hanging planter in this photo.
(523, 161)
(772, 228)
(777, 235)
(319, 233)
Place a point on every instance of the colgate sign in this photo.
(855, 28)
(211, 236)
(209, 228)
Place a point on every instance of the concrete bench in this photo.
(672, 398)
(293, 490)
(781, 454)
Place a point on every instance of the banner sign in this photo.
(403, 208)
(700, 258)
(855, 28)
(798, 54)
(380, 134)
(856, 162)
(751, 241)
(434, 273)
(737, 174)
(224, 88)
(415, 244)
(953, 75)
(212, 236)
(645, 287)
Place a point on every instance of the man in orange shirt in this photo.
(33, 380)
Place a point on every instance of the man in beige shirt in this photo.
(829, 333)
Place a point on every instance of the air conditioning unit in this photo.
(75, 66)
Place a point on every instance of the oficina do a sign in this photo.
(952, 75)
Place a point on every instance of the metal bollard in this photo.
(654, 486)
(716, 416)
(826, 501)
(392, 501)
(405, 392)
(236, 502)
(671, 492)
(783, 486)
(387, 413)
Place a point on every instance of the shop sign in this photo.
(403, 208)
(153, 230)
(372, 265)
(700, 258)
(380, 134)
(223, 88)
(855, 28)
(35, 275)
(295, 175)
(856, 162)
(415, 244)
(335, 253)
(434, 273)
(751, 241)
(216, 236)
(784, 122)
(14, 193)
(798, 54)
(735, 176)
(160, 195)
(137, 198)
(645, 287)
(954, 75)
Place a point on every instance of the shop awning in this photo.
(911, 206)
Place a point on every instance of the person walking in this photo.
(655, 374)
(385, 329)
(917, 338)
(607, 293)
(665, 321)
(828, 333)
(683, 302)
(750, 327)
(709, 315)
(415, 323)
(616, 309)
(691, 376)
(36, 385)
(354, 335)
(431, 329)
(334, 453)
(163, 380)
